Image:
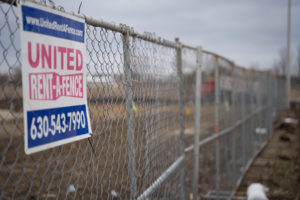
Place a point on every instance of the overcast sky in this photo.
(250, 32)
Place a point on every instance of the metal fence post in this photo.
(217, 109)
(270, 104)
(259, 114)
(271, 88)
(181, 114)
(233, 120)
(266, 102)
(129, 116)
(197, 123)
(275, 96)
(252, 96)
(262, 115)
(244, 136)
(268, 99)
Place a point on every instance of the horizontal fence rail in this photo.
(169, 120)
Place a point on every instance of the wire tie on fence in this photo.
(178, 42)
(92, 146)
(79, 7)
(217, 129)
(52, 4)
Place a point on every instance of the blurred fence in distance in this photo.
(295, 89)
(199, 120)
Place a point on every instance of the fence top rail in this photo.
(188, 47)
(121, 28)
(124, 29)
(217, 55)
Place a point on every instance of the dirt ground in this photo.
(278, 165)
(295, 95)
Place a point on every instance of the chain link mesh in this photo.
(155, 95)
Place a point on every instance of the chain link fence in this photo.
(169, 121)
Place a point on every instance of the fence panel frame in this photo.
(197, 122)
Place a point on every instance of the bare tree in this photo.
(280, 63)
(17, 74)
(3, 78)
(14, 75)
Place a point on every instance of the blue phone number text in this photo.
(55, 124)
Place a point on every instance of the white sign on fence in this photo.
(53, 77)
